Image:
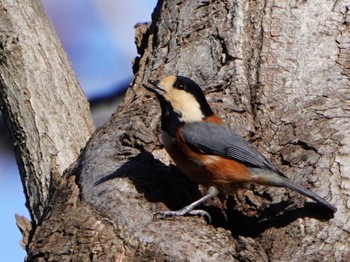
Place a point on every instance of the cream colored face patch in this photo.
(167, 83)
(185, 104)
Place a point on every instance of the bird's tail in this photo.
(285, 182)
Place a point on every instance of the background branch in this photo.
(41, 101)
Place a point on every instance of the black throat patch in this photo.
(170, 120)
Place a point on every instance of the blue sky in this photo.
(98, 36)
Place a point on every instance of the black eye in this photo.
(181, 87)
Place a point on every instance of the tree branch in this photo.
(41, 101)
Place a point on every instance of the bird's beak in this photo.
(154, 87)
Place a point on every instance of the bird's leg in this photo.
(212, 192)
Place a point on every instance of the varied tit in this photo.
(209, 152)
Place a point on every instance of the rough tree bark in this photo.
(278, 73)
(46, 112)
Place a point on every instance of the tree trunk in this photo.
(276, 72)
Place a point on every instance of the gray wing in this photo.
(210, 138)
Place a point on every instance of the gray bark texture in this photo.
(46, 112)
(276, 71)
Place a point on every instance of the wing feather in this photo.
(211, 138)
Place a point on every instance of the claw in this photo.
(201, 213)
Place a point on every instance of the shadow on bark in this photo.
(156, 181)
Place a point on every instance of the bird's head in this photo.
(182, 96)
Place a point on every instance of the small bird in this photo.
(208, 151)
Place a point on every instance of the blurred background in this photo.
(98, 36)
